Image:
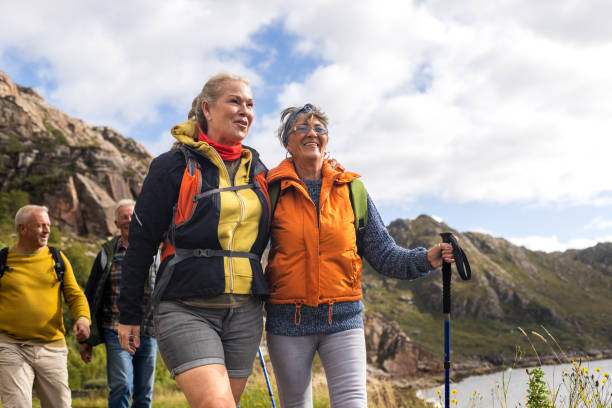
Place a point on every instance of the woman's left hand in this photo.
(335, 164)
(442, 251)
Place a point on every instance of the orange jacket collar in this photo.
(286, 170)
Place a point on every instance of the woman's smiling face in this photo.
(310, 145)
(230, 118)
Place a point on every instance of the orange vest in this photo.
(313, 260)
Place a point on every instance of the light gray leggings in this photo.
(343, 355)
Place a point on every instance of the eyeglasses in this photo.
(303, 129)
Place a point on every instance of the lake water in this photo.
(489, 386)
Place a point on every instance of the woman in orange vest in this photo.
(207, 202)
(314, 267)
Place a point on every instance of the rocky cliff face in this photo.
(565, 293)
(392, 354)
(77, 170)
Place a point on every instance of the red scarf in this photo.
(227, 153)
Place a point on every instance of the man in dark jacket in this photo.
(127, 375)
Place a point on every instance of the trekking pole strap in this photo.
(461, 261)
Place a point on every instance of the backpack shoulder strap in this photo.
(258, 165)
(359, 201)
(103, 259)
(59, 264)
(273, 192)
(190, 161)
(3, 257)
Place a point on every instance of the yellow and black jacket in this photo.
(213, 229)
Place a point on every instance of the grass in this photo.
(583, 385)
(584, 388)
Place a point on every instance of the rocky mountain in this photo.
(79, 171)
(566, 294)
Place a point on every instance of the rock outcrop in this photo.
(77, 170)
(392, 352)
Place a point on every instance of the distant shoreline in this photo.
(526, 362)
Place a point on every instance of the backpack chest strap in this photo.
(181, 254)
(219, 190)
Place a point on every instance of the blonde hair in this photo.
(212, 90)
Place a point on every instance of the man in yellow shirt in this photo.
(33, 352)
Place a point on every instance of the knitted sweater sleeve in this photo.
(385, 256)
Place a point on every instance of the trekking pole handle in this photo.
(447, 237)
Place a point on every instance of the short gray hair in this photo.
(126, 202)
(291, 114)
(24, 213)
(212, 90)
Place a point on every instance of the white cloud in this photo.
(515, 112)
(437, 219)
(599, 223)
(121, 64)
(161, 145)
(552, 243)
(467, 101)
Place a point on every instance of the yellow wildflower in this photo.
(454, 392)
(437, 392)
(597, 370)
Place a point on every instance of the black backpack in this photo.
(57, 258)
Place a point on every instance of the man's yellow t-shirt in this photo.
(30, 301)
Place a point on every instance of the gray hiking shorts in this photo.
(190, 337)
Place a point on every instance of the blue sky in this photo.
(492, 117)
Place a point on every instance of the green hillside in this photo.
(511, 287)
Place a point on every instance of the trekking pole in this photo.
(263, 367)
(463, 267)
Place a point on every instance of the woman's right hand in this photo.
(440, 252)
(129, 337)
